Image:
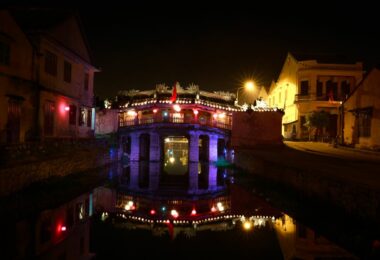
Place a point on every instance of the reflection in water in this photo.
(147, 212)
(61, 232)
(299, 242)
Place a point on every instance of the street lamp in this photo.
(248, 85)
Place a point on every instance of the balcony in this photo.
(222, 124)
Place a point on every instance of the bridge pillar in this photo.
(193, 147)
(134, 176)
(154, 175)
(212, 177)
(154, 149)
(213, 148)
(193, 177)
(135, 147)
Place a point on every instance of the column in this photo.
(212, 177)
(154, 175)
(155, 149)
(135, 147)
(134, 176)
(193, 177)
(193, 147)
(213, 148)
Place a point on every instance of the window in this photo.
(86, 80)
(80, 213)
(331, 90)
(89, 117)
(73, 115)
(364, 121)
(304, 88)
(51, 63)
(82, 116)
(319, 88)
(345, 89)
(5, 54)
(67, 72)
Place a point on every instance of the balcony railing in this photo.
(175, 120)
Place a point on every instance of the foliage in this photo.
(316, 122)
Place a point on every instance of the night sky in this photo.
(218, 46)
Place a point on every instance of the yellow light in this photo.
(171, 159)
(247, 225)
(177, 108)
(249, 85)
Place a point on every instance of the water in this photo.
(145, 210)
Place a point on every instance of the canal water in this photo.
(150, 210)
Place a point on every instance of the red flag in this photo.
(331, 95)
(174, 94)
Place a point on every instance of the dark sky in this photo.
(217, 46)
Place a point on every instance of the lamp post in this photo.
(248, 85)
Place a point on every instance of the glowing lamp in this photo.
(222, 115)
(213, 209)
(155, 110)
(67, 108)
(174, 213)
(163, 208)
(176, 108)
(129, 206)
(63, 228)
(247, 225)
(193, 212)
(171, 159)
(195, 112)
(165, 113)
(131, 113)
(215, 116)
(152, 212)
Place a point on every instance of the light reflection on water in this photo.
(145, 211)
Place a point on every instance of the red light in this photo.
(152, 212)
(67, 108)
(60, 228)
(155, 110)
(195, 112)
(213, 209)
(193, 212)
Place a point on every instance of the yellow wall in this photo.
(283, 92)
(367, 94)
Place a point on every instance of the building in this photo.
(361, 113)
(46, 75)
(310, 83)
(183, 125)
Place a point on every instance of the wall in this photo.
(367, 94)
(107, 121)
(15, 78)
(250, 129)
(18, 176)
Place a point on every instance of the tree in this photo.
(316, 122)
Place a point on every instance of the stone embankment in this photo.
(353, 185)
(18, 173)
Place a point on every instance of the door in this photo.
(13, 123)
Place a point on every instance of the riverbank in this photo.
(18, 174)
(349, 183)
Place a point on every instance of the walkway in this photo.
(342, 152)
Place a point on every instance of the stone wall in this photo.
(107, 121)
(18, 176)
(319, 182)
(250, 129)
